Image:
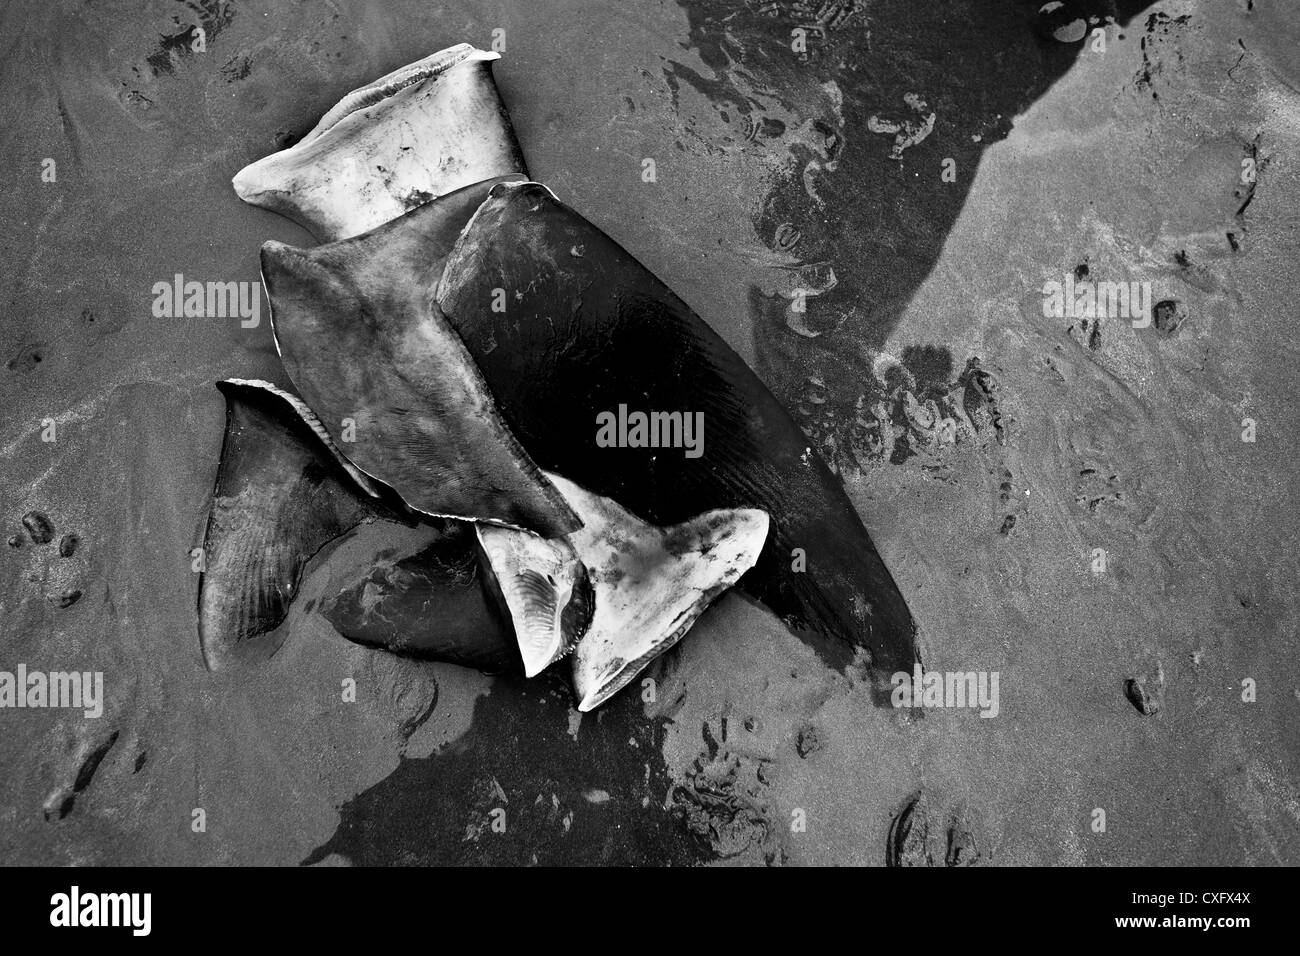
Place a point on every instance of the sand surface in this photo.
(1074, 435)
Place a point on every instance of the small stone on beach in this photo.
(66, 598)
(38, 527)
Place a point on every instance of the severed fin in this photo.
(651, 584)
(281, 495)
(392, 382)
(545, 589)
(599, 370)
(421, 131)
(423, 595)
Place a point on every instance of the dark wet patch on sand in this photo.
(212, 17)
(850, 204)
(722, 804)
(512, 791)
(904, 408)
(922, 835)
(60, 803)
(28, 358)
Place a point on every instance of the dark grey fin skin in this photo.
(586, 329)
(280, 497)
(431, 604)
(391, 381)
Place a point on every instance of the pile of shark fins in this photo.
(453, 345)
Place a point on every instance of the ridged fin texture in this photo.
(280, 496)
